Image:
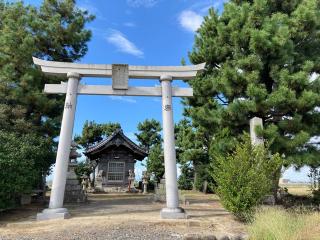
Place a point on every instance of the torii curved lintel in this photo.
(105, 70)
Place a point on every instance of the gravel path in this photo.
(127, 231)
(108, 216)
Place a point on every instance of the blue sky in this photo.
(137, 32)
(140, 32)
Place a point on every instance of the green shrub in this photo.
(244, 177)
(23, 158)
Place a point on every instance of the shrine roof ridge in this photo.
(105, 70)
(108, 139)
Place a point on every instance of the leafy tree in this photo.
(54, 31)
(149, 133)
(20, 158)
(244, 177)
(155, 161)
(262, 60)
(94, 132)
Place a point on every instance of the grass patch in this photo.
(279, 224)
(298, 189)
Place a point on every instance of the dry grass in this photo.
(298, 189)
(279, 224)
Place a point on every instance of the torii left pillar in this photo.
(56, 210)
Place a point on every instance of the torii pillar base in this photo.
(173, 213)
(56, 213)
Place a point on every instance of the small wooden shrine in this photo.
(114, 159)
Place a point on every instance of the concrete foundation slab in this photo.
(58, 213)
(173, 213)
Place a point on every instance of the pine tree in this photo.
(149, 133)
(263, 60)
(93, 132)
(149, 137)
(56, 32)
(155, 162)
(192, 152)
(29, 119)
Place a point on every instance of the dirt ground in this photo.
(123, 216)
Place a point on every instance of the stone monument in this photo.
(160, 191)
(131, 179)
(254, 124)
(99, 180)
(145, 180)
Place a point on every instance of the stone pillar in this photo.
(56, 209)
(145, 179)
(255, 139)
(172, 211)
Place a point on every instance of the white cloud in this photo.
(190, 20)
(86, 5)
(123, 99)
(142, 3)
(204, 5)
(129, 24)
(123, 44)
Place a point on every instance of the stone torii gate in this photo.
(120, 74)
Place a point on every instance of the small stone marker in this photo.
(255, 139)
(120, 76)
(145, 179)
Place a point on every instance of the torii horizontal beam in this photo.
(105, 70)
(108, 90)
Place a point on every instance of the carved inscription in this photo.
(167, 107)
(68, 105)
(120, 76)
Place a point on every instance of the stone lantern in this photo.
(74, 192)
(145, 180)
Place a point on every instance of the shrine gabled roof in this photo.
(95, 149)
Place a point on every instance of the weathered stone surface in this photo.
(105, 70)
(57, 213)
(173, 213)
(120, 76)
(254, 123)
(74, 192)
(160, 191)
(269, 200)
(199, 237)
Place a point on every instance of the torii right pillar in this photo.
(172, 211)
